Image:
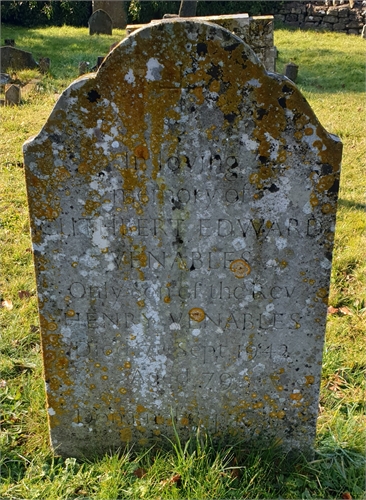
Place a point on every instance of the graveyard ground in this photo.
(332, 78)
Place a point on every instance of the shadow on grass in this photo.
(351, 204)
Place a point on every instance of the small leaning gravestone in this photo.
(16, 59)
(13, 95)
(182, 205)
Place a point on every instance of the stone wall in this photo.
(323, 15)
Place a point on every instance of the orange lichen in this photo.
(197, 314)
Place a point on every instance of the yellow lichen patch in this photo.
(240, 268)
(140, 409)
(159, 420)
(141, 303)
(197, 314)
(126, 434)
(62, 362)
(310, 379)
(122, 390)
(322, 293)
(62, 174)
(214, 86)
(184, 421)
(296, 396)
(142, 152)
(327, 208)
(308, 131)
(314, 201)
(325, 182)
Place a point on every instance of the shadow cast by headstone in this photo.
(75, 48)
(353, 205)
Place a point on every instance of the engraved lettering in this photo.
(77, 290)
(225, 228)
(204, 227)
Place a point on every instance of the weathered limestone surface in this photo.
(182, 205)
(256, 31)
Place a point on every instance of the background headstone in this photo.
(84, 67)
(44, 64)
(116, 9)
(16, 59)
(182, 204)
(291, 70)
(188, 8)
(12, 95)
(100, 23)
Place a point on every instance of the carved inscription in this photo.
(259, 229)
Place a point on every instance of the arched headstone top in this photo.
(100, 23)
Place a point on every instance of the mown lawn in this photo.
(332, 78)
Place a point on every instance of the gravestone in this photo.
(291, 71)
(100, 23)
(182, 205)
(83, 67)
(44, 64)
(116, 9)
(12, 95)
(16, 59)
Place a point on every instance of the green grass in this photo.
(332, 78)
